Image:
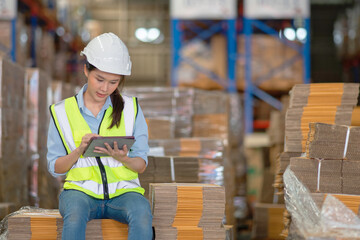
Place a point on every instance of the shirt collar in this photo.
(80, 99)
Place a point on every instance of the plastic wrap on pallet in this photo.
(211, 114)
(334, 219)
(235, 119)
(167, 102)
(201, 147)
(161, 127)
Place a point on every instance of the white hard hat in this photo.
(109, 54)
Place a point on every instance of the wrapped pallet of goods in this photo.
(316, 215)
(330, 103)
(198, 118)
(161, 127)
(325, 183)
(218, 114)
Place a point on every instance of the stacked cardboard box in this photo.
(217, 114)
(330, 165)
(332, 159)
(333, 142)
(182, 169)
(187, 211)
(327, 103)
(40, 99)
(48, 224)
(13, 138)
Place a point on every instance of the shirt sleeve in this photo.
(55, 148)
(141, 147)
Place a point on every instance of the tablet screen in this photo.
(100, 142)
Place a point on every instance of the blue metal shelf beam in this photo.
(13, 39)
(12, 51)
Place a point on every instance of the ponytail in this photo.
(118, 105)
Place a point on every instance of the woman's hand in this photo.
(65, 163)
(85, 141)
(118, 154)
(136, 164)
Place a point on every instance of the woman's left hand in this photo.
(136, 164)
(118, 154)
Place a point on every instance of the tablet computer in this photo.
(100, 142)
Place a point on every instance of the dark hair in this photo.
(116, 99)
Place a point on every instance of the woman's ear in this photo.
(86, 71)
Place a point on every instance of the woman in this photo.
(106, 187)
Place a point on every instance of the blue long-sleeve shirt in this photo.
(56, 149)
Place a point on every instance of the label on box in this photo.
(276, 9)
(203, 9)
(8, 9)
(156, 152)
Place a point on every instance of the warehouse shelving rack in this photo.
(226, 26)
(229, 27)
(39, 14)
(252, 88)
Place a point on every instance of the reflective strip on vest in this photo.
(85, 174)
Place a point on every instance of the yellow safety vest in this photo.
(100, 177)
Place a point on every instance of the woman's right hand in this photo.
(86, 140)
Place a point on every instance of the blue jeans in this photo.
(77, 208)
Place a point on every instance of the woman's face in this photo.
(101, 84)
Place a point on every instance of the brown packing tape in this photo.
(189, 147)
